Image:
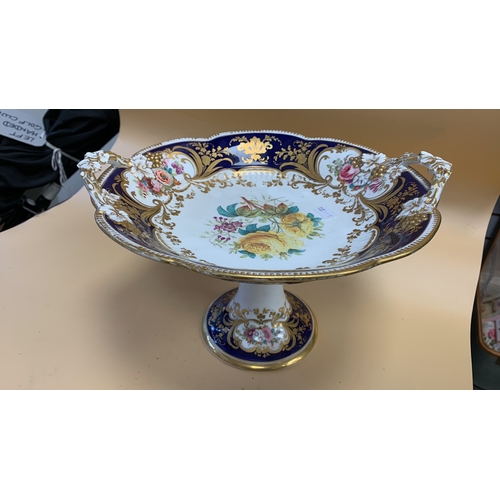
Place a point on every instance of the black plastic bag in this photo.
(71, 133)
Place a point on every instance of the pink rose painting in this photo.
(348, 172)
(160, 180)
(259, 335)
(268, 333)
(351, 175)
(164, 177)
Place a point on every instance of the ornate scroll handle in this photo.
(440, 170)
(105, 202)
(90, 166)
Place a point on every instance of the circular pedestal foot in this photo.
(259, 327)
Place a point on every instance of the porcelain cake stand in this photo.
(263, 209)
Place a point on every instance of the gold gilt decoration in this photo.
(207, 160)
(123, 205)
(250, 339)
(342, 255)
(278, 181)
(159, 216)
(187, 253)
(340, 148)
(299, 153)
(106, 203)
(397, 199)
(368, 186)
(440, 171)
(265, 331)
(241, 180)
(391, 205)
(353, 235)
(410, 224)
(255, 148)
(208, 155)
(305, 157)
(157, 158)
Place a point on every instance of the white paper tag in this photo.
(20, 126)
(324, 213)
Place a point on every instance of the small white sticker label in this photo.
(324, 213)
(20, 126)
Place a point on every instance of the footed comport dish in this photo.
(265, 208)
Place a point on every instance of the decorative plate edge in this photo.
(238, 132)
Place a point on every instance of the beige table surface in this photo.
(78, 311)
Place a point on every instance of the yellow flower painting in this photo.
(264, 228)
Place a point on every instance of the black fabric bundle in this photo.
(24, 167)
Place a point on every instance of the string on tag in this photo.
(57, 164)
